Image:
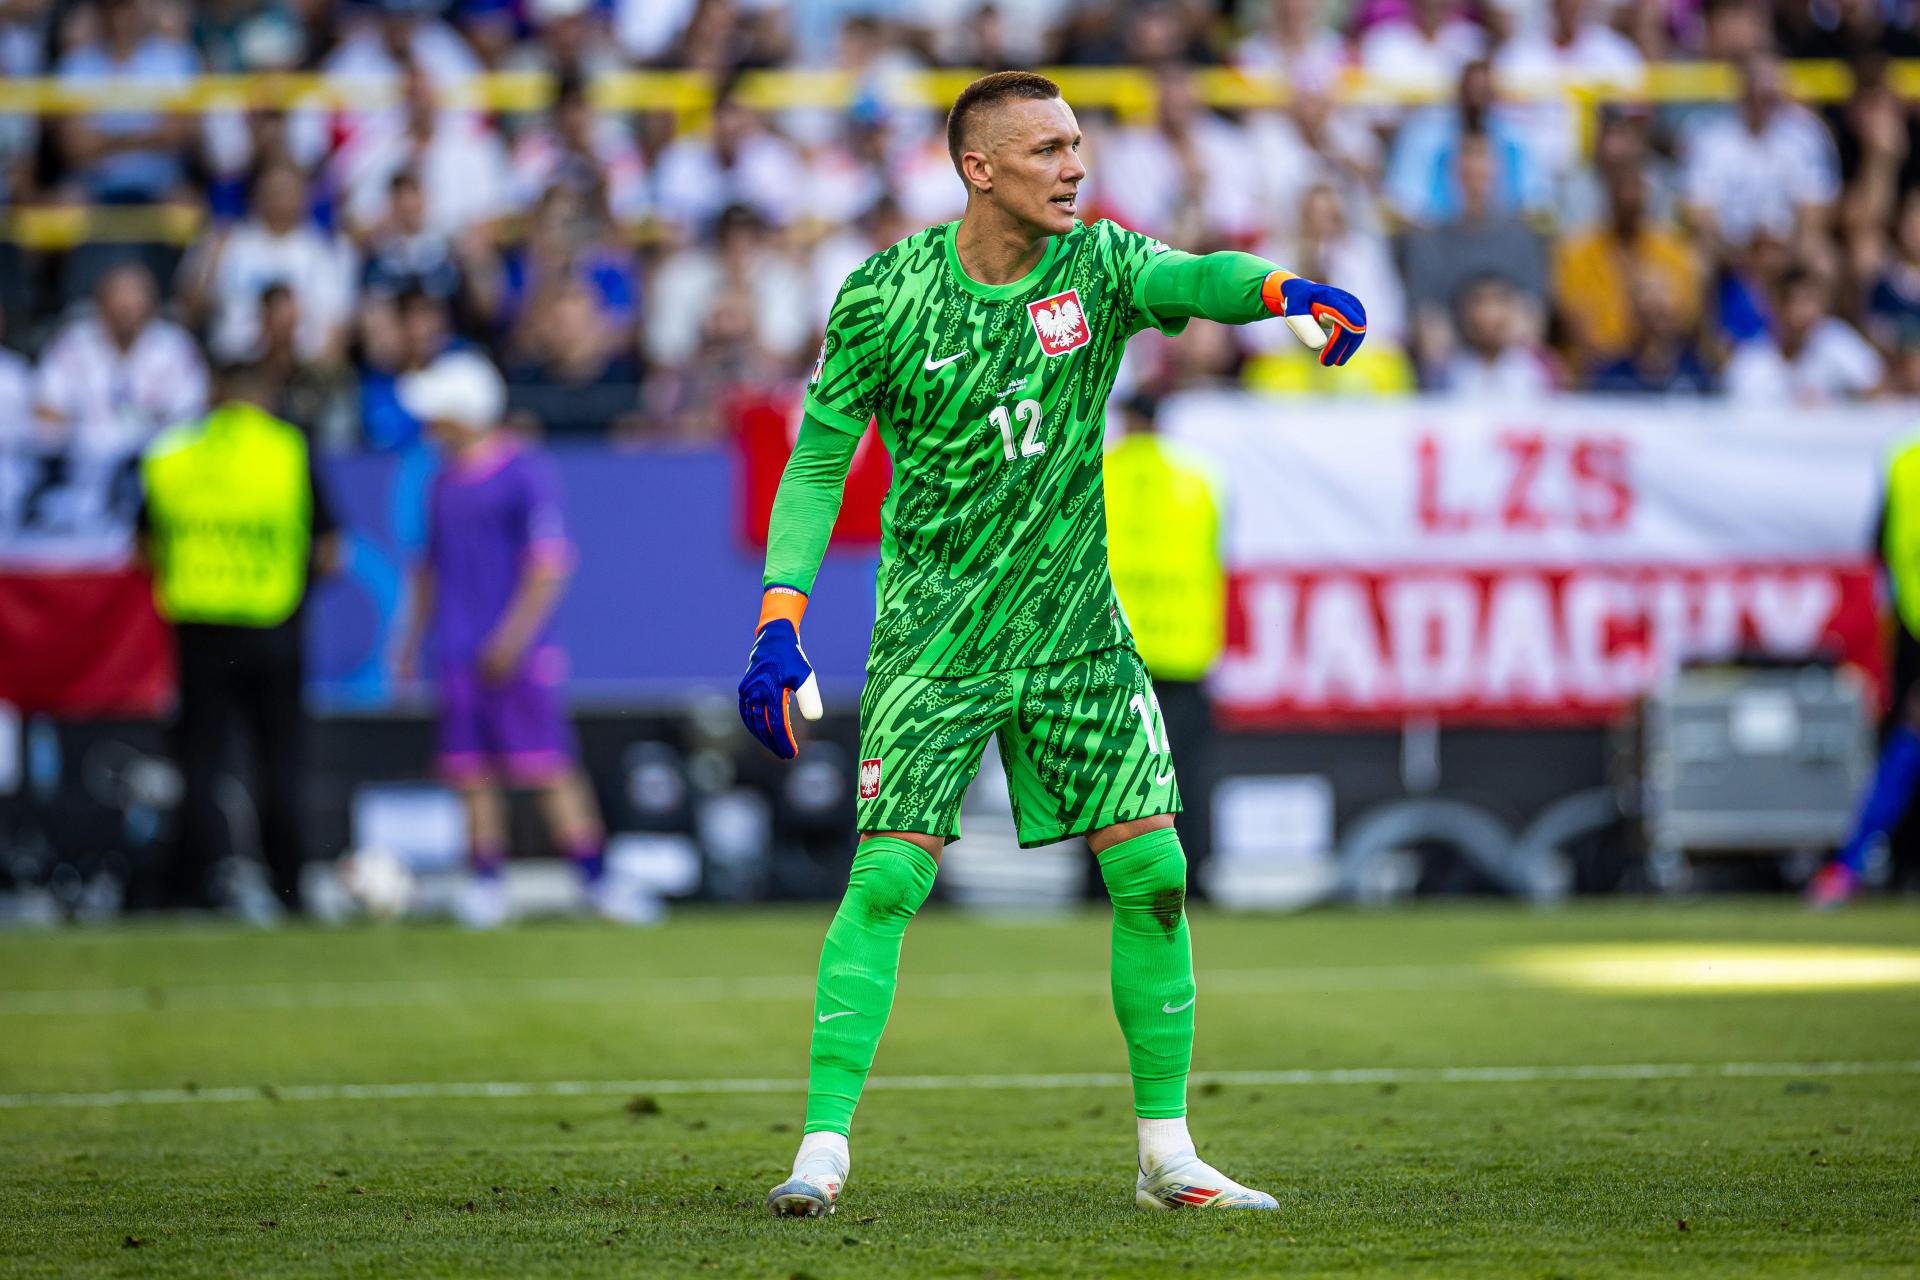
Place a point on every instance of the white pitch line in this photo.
(696, 990)
(1082, 1080)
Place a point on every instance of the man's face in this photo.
(126, 304)
(1032, 168)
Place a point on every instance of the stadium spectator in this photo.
(580, 377)
(1812, 357)
(1573, 47)
(1485, 238)
(222, 282)
(1764, 167)
(1843, 29)
(1665, 355)
(592, 153)
(314, 392)
(402, 337)
(1423, 183)
(388, 38)
(567, 244)
(16, 390)
(646, 29)
(23, 44)
(740, 306)
(836, 254)
(1734, 30)
(1493, 361)
(1878, 142)
(1329, 247)
(1425, 46)
(459, 160)
(1295, 42)
(114, 378)
(1594, 273)
(1180, 178)
(740, 162)
(404, 253)
(128, 156)
(570, 40)
(1310, 143)
(1893, 303)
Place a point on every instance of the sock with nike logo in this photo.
(1153, 991)
(859, 965)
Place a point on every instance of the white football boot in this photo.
(1173, 1177)
(819, 1171)
(1185, 1181)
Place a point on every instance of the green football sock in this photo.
(1153, 991)
(859, 965)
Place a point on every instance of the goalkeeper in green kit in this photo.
(986, 349)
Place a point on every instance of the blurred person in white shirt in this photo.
(590, 152)
(1311, 143)
(1572, 47)
(739, 161)
(114, 378)
(1183, 178)
(1328, 247)
(743, 290)
(1297, 42)
(385, 38)
(128, 156)
(461, 164)
(1812, 357)
(1493, 361)
(225, 277)
(1425, 49)
(1766, 166)
(835, 256)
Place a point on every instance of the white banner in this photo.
(1544, 562)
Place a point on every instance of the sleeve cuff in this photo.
(838, 419)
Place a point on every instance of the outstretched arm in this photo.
(804, 509)
(1239, 288)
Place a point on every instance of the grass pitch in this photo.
(573, 1100)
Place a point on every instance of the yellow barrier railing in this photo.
(689, 96)
(1128, 91)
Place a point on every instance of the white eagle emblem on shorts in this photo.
(869, 779)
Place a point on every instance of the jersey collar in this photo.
(1013, 288)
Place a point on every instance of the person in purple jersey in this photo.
(497, 561)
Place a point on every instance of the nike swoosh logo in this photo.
(845, 1013)
(1175, 1008)
(930, 364)
(1163, 779)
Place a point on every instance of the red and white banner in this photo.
(1541, 563)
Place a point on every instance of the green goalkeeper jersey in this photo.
(992, 401)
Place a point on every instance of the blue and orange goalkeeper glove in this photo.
(778, 674)
(1329, 320)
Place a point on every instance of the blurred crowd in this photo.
(635, 273)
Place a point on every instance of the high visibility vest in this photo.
(229, 505)
(1900, 534)
(1163, 540)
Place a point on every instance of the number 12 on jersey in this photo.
(1028, 414)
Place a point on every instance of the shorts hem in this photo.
(1034, 839)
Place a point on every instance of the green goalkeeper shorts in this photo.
(1082, 741)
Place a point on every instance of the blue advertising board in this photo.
(661, 606)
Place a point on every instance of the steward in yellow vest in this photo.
(1166, 517)
(233, 526)
(1164, 525)
(229, 518)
